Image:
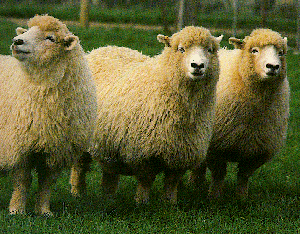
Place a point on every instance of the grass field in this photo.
(273, 205)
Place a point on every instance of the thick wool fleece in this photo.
(46, 109)
(149, 108)
(252, 114)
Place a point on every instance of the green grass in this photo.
(7, 33)
(273, 205)
(247, 20)
(139, 14)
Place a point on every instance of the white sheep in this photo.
(252, 109)
(48, 106)
(155, 113)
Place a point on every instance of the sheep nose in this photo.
(199, 66)
(272, 67)
(18, 42)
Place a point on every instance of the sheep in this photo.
(154, 113)
(252, 113)
(48, 108)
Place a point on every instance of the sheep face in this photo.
(195, 48)
(39, 47)
(267, 61)
(196, 61)
(263, 55)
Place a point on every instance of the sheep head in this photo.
(194, 48)
(45, 40)
(263, 55)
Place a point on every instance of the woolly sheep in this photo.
(252, 109)
(155, 113)
(48, 106)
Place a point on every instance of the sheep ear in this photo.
(219, 38)
(70, 42)
(164, 39)
(238, 43)
(285, 40)
(20, 30)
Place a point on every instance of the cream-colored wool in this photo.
(152, 117)
(252, 109)
(48, 106)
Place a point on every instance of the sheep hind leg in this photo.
(218, 171)
(172, 179)
(246, 169)
(198, 175)
(109, 184)
(21, 183)
(46, 178)
(78, 175)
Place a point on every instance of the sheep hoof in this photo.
(141, 201)
(196, 182)
(171, 201)
(43, 211)
(47, 214)
(171, 198)
(77, 193)
(214, 195)
(110, 198)
(17, 212)
(242, 194)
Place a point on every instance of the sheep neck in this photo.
(264, 90)
(47, 76)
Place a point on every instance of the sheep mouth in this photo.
(198, 74)
(272, 73)
(17, 52)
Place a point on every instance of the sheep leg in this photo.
(218, 171)
(246, 169)
(110, 183)
(172, 179)
(144, 188)
(46, 178)
(21, 183)
(198, 175)
(78, 175)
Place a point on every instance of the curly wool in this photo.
(192, 35)
(49, 24)
(53, 115)
(148, 108)
(262, 37)
(252, 115)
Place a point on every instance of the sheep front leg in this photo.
(46, 178)
(78, 175)
(144, 187)
(172, 179)
(21, 178)
(218, 170)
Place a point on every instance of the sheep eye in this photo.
(281, 53)
(254, 51)
(50, 38)
(210, 50)
(181, 49)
